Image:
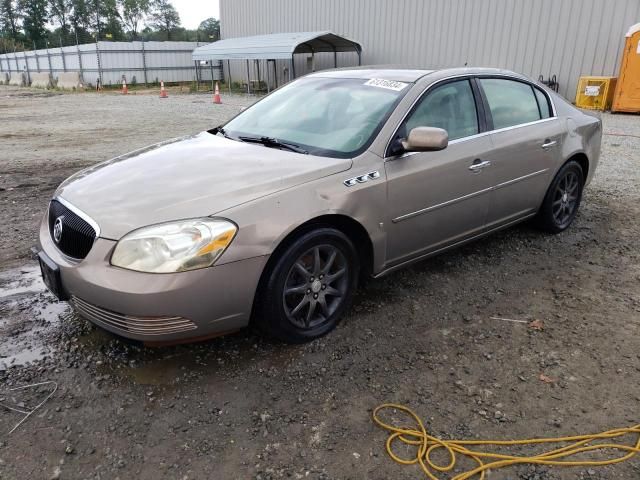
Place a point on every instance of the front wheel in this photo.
(561, 203)
(309, 287)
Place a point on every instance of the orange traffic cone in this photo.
(163, 92)
(125, 90)
(216, 95)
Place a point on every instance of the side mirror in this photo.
(426, 139)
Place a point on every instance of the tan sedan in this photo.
(273, 217)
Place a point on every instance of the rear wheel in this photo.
(309, 287)
(562, 200)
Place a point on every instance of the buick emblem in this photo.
(57, 229)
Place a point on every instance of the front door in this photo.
(436, 199)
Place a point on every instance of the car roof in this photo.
(402, 73)
(383, 72)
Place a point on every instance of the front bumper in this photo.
(173, 307)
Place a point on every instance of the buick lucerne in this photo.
(274, 216)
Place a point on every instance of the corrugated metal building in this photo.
(568, 38)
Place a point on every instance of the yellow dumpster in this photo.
(627, 94)
(595, 93)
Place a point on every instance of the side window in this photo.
(451, 107)
(543, 102)
(510, 102)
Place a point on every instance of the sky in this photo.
(192, 12)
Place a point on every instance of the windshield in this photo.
(334, 117)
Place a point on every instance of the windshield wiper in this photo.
(220, 129)
(274, 143)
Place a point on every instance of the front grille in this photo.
(77, 236)
(128, 324)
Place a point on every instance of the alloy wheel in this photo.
(316, 285)
(565, 199)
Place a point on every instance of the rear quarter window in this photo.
(543, 103)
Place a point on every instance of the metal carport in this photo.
(276, 46)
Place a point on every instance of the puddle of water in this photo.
(20, 280)
(24, 356)
(28, 311)
(164, 371)
(51, 312)
(30, 315)
(214, 359)
(31, 344)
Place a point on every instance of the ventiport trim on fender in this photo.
(466, 197)
(362, 178)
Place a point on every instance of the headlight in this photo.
(174, 247)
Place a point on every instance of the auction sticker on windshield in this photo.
(388, 84)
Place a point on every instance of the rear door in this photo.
(438, 198)
(525, 147)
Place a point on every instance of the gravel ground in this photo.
(242, 407)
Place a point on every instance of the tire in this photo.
(562, 200)
(309, 287)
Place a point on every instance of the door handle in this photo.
(478, 165)
(548, 144)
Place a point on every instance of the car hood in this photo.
(186, 178)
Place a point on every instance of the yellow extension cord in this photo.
(426, 444)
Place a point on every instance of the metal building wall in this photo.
(568, 38)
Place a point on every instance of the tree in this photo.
(105, 19)
(34, 20)
(111, 20)
(9, 18)
(211, 29)
(133, 12)
(164, 17)
(60, 11)
(80, 19)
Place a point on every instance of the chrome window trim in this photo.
(470, 76)
(407, 216)
(484, 134)
(522, 80)
(500, 130)
(81, 214)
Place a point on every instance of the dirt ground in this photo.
(241, 407)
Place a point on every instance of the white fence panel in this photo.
(137, 62)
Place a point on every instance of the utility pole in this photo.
(79, 56)
(97, 19)
(99, 80)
